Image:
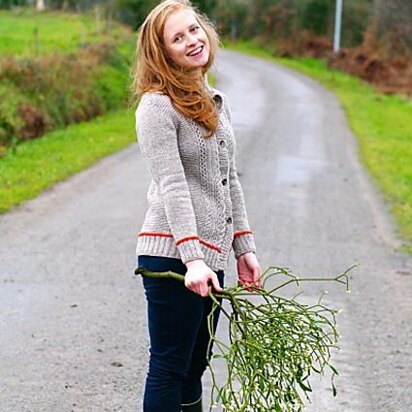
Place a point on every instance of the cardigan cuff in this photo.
(189, 249)
(243, 242)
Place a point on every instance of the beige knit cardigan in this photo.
(196, 207)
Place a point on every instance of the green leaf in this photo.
(304, 387)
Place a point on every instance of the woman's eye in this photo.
(177, 39)
(195, 29)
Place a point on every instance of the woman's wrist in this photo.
(246, 253)
(194, 262)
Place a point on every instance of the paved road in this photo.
(72, 321)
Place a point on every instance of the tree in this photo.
(392, 26)
(316, 16)
(40, 5)
(133, 12)
(206, 6)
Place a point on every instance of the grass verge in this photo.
(28, 33)
(58, 68)
(36, 165)
(382, 124)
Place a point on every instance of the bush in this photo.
(11, 99)
(52, 91)
(8, 4)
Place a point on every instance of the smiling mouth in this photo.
(196, 51)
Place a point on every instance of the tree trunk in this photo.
(40, 5)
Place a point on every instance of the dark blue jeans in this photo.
(179, 337)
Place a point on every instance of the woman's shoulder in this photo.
(156, 99)
(156, 108)
(156, 104)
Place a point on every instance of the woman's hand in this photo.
(199, 277)
(249, 271)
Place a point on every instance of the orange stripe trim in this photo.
(155, 234)
(185, 239)
(245, 232)
(203, 242)
(210, 245)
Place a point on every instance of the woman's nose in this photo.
(191, 39)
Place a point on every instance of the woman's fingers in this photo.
(199, 278)
(257, 273)
(202, 286)
(204, 289)
(253, 279)
(215, 283)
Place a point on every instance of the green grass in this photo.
(56, 32)
(36, 165)
(382, 124)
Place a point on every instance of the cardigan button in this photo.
(222, 143)
(229, 220)
(224, 182)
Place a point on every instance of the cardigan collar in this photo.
(216, 95)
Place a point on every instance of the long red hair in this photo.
(154, 71)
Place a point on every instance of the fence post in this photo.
(338, 24)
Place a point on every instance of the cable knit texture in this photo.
(196, 204)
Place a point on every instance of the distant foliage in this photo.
(206, 6)
(52, 91)
(64, 4)
(132, 12)
(391, 27)
(379, 23)
(316, 16)
(58, 68)
(7, 4)
(386, 25)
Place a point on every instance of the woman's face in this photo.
(185, 41)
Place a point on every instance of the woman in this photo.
(196, 209)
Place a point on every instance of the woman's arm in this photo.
(243, 241)
(157, 135)
(248, 268)
(157, 125)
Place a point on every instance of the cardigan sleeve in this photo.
(243, 240)
(157, 126)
